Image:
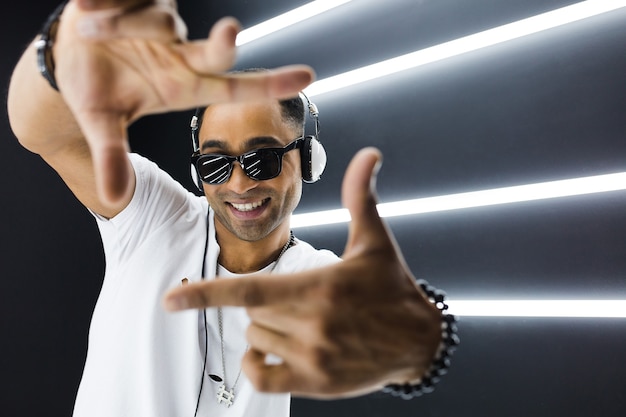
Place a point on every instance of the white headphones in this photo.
(312, 154)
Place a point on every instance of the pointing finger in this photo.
(280, 83)
(242, 292)
(109, 4)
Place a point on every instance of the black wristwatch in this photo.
(45, 61)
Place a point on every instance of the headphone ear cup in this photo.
(313, 159)
(196, 178)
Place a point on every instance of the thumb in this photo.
(358, 194)
(106, 135)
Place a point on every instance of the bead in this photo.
(428, 390)
(439, 296)
(449, 318)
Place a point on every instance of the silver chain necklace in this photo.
(225, 395)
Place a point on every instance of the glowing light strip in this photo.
(287, 19)
(466, 44)
(515, 194)
(539, 308)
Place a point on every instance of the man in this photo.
(348, 328)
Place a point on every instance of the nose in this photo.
(239, 182)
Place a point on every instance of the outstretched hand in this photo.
(118, 60)
(342, 330)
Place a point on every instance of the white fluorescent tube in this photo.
(465, 44)
(515, 194)
(287, 19)
(539, 308)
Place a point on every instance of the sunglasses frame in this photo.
(197, 158)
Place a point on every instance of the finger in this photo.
(359, 197)
(106, 136)
(92, 5)
(243, 292)
(280, 83)
(264, 377)
(218, 53)
(264, 340)
(281, 318)
(286, 377)
(159, 23)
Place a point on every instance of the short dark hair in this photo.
(292, 109)
(293, 112)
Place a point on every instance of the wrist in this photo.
(441, 359)
(44, 44)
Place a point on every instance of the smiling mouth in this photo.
(249, 206)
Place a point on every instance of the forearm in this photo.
(38, 115)
(45, 125)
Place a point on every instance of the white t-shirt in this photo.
(143, 361)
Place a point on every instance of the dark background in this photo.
(546, 107)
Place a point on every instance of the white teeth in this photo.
(247, 206)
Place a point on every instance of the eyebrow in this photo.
(252, 143)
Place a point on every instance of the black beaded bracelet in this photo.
(45, 62)
(441, 362)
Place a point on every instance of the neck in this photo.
(243, 257)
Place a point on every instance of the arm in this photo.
(47, 126)
(115, 62)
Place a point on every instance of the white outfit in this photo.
(143, 361)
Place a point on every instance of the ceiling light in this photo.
(515, 194)
(287, 19)
(539, 308)
(465, 44)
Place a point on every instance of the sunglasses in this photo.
(259, 164)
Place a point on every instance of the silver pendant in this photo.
(227, 397)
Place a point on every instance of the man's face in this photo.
(249, 209)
